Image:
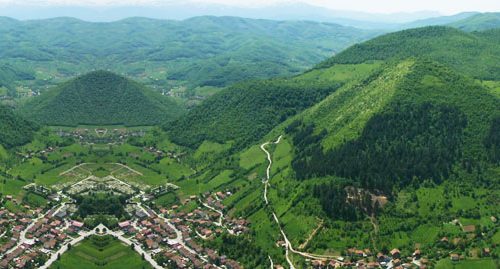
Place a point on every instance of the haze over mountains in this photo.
(202, 51)
(324, 141)
(180, 11)
(279, 11)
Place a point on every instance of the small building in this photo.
(395, 253)
(77, 224)
(469, 228)
(124, 225)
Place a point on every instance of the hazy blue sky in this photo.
(378, 6)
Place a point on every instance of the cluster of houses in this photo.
(40, 153)
(100, 135)
(175, 236)
(13, 254)
(28, 241)
(15, 251)
(365, 259)
(160, 153)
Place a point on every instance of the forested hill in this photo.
(214, 51)
(9, 75)
(478, 22)
(101, 98)
(421, 118)
(247, 111)
(15, 130)
(474, 54)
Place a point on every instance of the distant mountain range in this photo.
(201, 51)
(180, 11)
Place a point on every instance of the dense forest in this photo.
(199, 51)
(492, 141)
(474, 54)
(15, 130)
(101, 205)
(333, 196)
(247, 111)
(101, 98)
(421, 142)
(429, 127)
(478, 22)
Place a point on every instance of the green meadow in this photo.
(100, 252)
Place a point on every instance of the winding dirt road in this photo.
(288, 244)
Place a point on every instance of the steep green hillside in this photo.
(419, 117)
(101, 98)
(15, 130)
(479, 22)
(473, 54)
(414, 131)
(214, 51)
(245, 112)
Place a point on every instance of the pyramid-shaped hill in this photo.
(101, 98)
(411, 120)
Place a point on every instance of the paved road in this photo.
(179, 239)
(64, 248)
(138, 248)
(221, 218)
(22, 237)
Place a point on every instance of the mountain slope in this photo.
(15, 129)
(404, 132)
(101, 98)
(479, 22)
(441, 20)
(420, 117)
(245, 112)
(10, 74)
(473, 54)
(215, 51)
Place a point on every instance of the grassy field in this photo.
(467, 264)
(173, 169)
(100, 252)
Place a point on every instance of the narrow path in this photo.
(288, 244)
(129, 168)
(179, 239)
(73, 168)
(268, 169)
(271, 261)
(221, 215)
(266, 183)
(373, 221)
(311, 235)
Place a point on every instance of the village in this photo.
(174, 236)
(170, 237)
